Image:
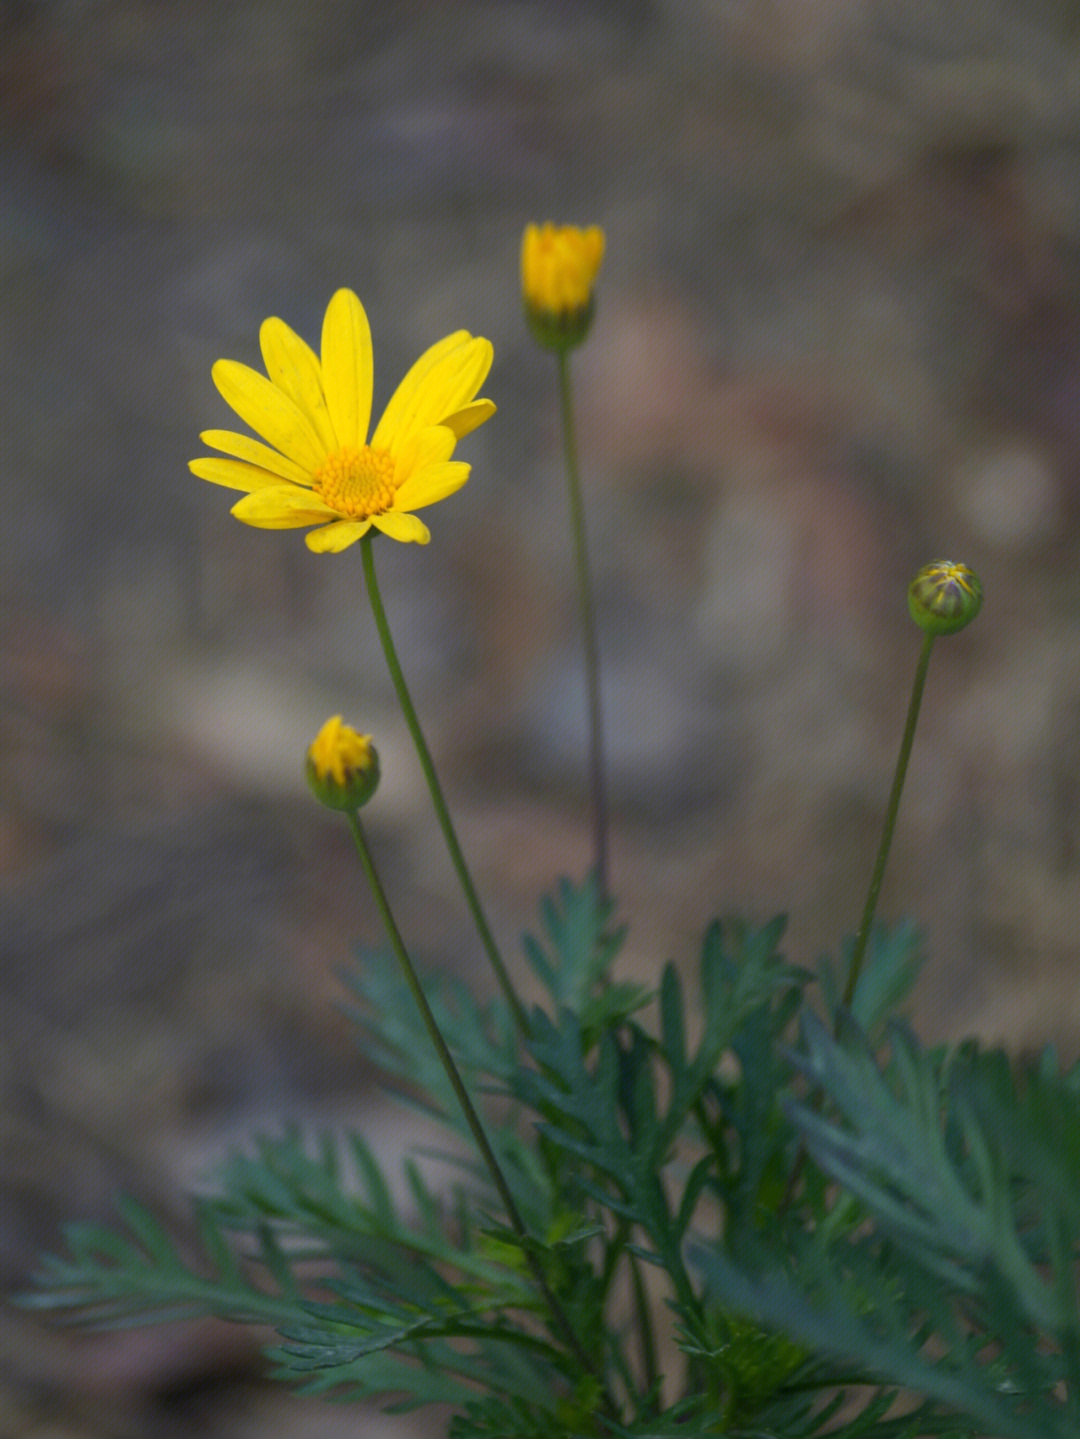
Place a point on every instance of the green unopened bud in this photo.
(559, 265)
(944, 597)
(342, 766)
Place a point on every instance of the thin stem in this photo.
(646, 1332)
(472, 1119)
(863, 936)
(615, 1250)
(472, 899)
(597, 782)
(858, 954)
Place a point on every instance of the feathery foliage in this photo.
(921, 1279)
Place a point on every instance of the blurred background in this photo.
(838, 336)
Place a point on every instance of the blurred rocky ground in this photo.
(838, 336)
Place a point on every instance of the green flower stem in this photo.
(597, 781)
(616, 1250)
(646, 1333)
(472, 899)
(453, 1074)
(863, 936)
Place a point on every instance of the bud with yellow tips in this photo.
(944, 597)
(559, 265)
(342, 766)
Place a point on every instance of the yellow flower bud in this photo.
(342, 766)
(559, 265)
(944, 597)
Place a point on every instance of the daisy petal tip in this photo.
(333, 538)
(402, 526)
(345, 296)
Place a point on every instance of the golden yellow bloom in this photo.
(318, 467)
(559, 265)
(342, 766)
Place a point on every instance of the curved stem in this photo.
(863, 936)
(597, 782)
(472, 899)
(472, 1119)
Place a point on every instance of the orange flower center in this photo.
(356, 483)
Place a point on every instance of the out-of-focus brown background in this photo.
(838, 336)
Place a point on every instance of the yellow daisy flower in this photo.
(318, 467)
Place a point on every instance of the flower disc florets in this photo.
(944, 597)
(356, 483)
(342, 766)
(559, 265)
(318, 466)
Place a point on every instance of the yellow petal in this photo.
(233, 474)
(347, 367)
(269, 412)
(294, 368)
(459, 375)
(414, 379)
(283, 507)
(332, 539)
(470, 418)
(402, 527)
(243, 447)
(429, 485)
(447, 386)
(427, 447)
